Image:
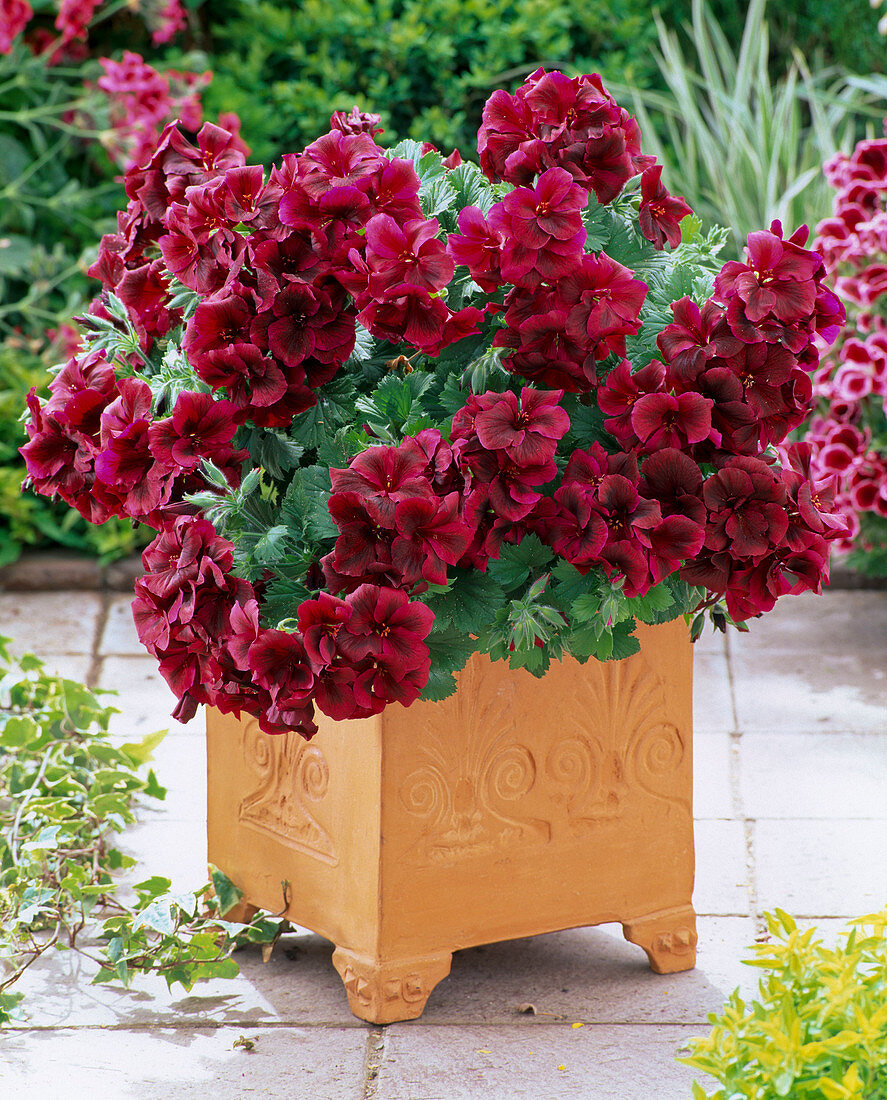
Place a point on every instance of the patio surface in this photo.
(790, 806)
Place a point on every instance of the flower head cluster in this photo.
(555, 121)
(465, 380)
(848, 431)
(97, 444)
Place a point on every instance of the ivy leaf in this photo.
(469, 604)
(226, 892)
(157, 915)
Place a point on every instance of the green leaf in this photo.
(650, 607)
(449, 650)
(142, 751)
(158, 915)
(470, 603)
(227, 893)
(517, 563)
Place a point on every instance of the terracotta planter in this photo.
(517, 806)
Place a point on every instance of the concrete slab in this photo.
(120, 635)
(819, 690)
(713, 711)
(50, 622)
(597, 1062)
(721, 869)
(590, 974)
(821, 868)
(839, 622)
(712, 776)
(143, 698)
(173, 1063)
(814, 775)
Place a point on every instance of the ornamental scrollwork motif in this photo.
(517, 781)
(290, 778)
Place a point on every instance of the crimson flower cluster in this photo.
(682, 479)
(848, 431)
(350, 656)
(96, 444)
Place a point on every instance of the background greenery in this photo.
(426, 66)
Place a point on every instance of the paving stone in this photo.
(821, 868)
(169, 1064)
(50, 622)
(299, 985)
(814, 775)
(143, 698)
(180, 766)
(598, 1062)
(590, 974)
(121, 575)
(721, 868)
(120, 636)
(712, 697)
(810, 692)
(832, 622)
(712, 793)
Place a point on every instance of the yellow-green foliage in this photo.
(818, 1029)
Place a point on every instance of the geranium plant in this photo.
(848, 431)
(386, 408)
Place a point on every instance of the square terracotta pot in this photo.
(515, 807)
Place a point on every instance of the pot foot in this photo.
(388, 992)
(669, 938)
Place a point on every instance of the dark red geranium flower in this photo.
(319, 622)
(621, 389)
(675, 481)
(363, 548)
(604, 303)
(280, 665)
(696, 335)
(338, 160)
(306, 321)
(384, 477)
(661, 420)
(199, 427)
(746, 505)
(477, 246)
(577, 531)
(385, 626)
(660, 213)
(217, 323)
(406, 313)
(430, 536)
(250, 377)
(673, 541)
(511, 487)
(356, 122)
(527, 430)
(411, 254)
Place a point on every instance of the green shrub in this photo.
(818, 1029)
(426, 66)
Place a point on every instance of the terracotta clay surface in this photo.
(515, 807)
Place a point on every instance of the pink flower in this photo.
(14, 17)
